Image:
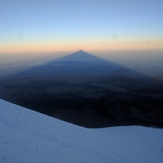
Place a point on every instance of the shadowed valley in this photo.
(88, 91)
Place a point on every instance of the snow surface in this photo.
(30, 137)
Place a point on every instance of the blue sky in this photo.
(52, 25)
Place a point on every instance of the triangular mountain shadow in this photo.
(77, 67)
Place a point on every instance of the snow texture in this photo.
(30, 137)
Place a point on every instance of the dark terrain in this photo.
(88, 91)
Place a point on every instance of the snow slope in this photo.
(30, 137)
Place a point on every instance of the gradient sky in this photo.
(61, 25)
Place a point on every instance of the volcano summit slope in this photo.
(27, 136)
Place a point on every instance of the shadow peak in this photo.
(80, 55)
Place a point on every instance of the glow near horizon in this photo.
(60, 25)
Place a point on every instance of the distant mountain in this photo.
(27, 137)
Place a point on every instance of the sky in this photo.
(65, 25)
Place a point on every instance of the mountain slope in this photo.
(27, 136)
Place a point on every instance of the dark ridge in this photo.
(88, 91)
